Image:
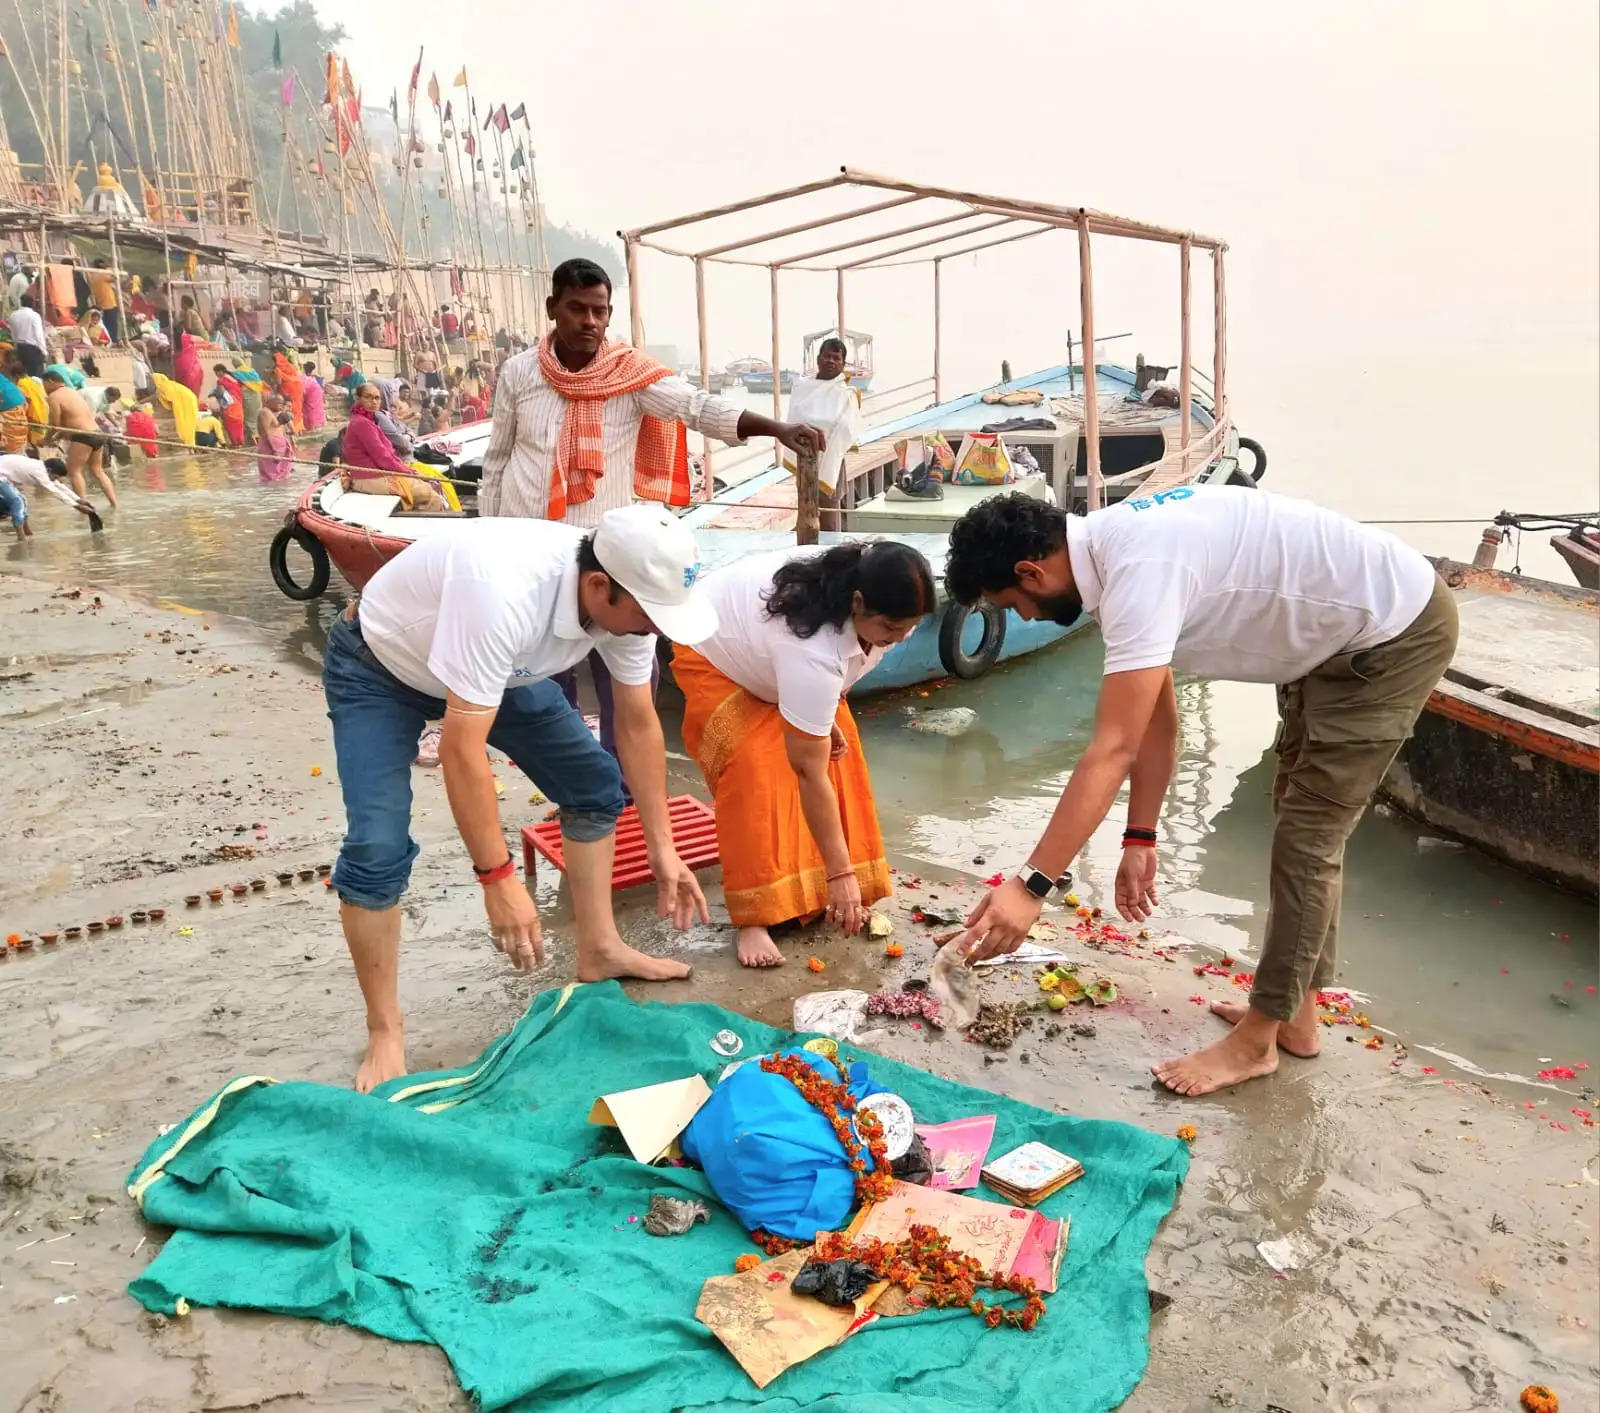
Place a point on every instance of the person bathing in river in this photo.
(583, 425)
(274, 447)
(72, 422)
(19, 473)
(470, 625)
(314, 410)
(1352, 626)
(766, 720)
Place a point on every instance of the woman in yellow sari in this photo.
(765, 719)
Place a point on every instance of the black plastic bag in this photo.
(834, 1282)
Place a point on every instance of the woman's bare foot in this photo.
(1300, 1037)
(614, 958)
(757, 949)
(385, 1059)
(1248, 1050)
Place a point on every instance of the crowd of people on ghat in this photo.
(250, 376)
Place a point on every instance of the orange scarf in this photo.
(661, 457)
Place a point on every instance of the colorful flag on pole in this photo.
(277, 50)
(471, 144)
(516, 158)
(233, 26)
(394, 104)
(288, 91)
(352, 106)
(460, 80)
(447, 111)
(349, 83)
(499, 119)
(520, 111)
(416, 75)
(433, 91)
(331, 97)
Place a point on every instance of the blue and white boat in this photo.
(1091, 433)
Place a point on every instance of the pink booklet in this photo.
(958, 1150)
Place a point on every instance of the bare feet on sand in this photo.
(1240, 1055)
(1301, 1037)
(757, 949)
(601, 961)
(385, 1059)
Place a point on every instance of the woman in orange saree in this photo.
(766, 720)
(292, 387)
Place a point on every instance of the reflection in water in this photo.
(1426, 930)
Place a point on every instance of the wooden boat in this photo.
(1578, 544)
(1506, 755)
(1580, 547)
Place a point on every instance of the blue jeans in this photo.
(12, 506)
(376, 721)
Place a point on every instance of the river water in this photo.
(1491, 971)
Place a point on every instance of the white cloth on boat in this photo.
(528, 414)
(804, 677)
(483, 606)
(1239, 584)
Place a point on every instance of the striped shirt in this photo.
(528, 413)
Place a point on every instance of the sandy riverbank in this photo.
(1453, 1235)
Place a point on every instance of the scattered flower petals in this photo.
(1429, 1069)
(1198, 1000)
(817, 964)
(1559, 1072)
(186, 932)
(1188, 1133)
(894, 949)
(993, 880)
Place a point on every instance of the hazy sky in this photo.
(1387, 175)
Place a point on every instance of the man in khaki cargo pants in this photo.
(1353, 627)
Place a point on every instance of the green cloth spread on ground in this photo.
(479, 1210)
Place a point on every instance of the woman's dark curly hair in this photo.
(893, 579)
(992, 538)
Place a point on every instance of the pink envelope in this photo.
(958, 1149)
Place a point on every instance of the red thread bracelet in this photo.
(494, 875)
(1138, 843)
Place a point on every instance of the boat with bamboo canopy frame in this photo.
(1109, 441)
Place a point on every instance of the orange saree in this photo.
(772, 870)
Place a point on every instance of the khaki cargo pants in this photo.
(1342, 725)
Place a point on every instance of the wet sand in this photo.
(1451, 1231)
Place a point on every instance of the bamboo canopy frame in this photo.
(947, 223)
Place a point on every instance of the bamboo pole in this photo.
(923, 244)
(839, 300)
(66, 89)
(1185, 359)
(122, 90)
(150, 129)
(884, 262)
(777, 379)
(807, 507)
(635, 307)
(800, 226)
(116, 279)
(705, 362)
(1091, 403)
(750, 203)
(859, 241)
(44, 127)
(1219, 359)
(938, 380)
(542, 284)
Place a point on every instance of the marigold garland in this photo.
(947, 1278)
(836, 1103)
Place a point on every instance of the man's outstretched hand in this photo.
(802, 437)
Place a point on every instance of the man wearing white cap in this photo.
(470, 625)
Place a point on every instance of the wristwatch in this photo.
(1039, 884)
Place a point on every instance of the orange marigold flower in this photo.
(1536, 1398)
(894, 949)
(748, 1262)
(817, 964)
(1188, 1133)
(12, 938)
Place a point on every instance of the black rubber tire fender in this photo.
(1256, 450)
(278, 562)
(956, 660)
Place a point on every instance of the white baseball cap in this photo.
(651, 553)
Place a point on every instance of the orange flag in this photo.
(460, 80)
(433, 89)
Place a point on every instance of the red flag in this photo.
(352, 106)
(349, 83)
(341, 130)
(499, 119)
(416, 76)
(331, 95)
(447, 110)
(471, 144)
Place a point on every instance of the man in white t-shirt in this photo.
(470, 625)
(19, 473)
(1353, 627)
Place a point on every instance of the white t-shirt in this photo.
(24, 472)
(805, 677)
(28, 327)
(486, 605)
(1228, 582)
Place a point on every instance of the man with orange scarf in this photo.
(583, 425)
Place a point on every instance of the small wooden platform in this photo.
(694, 834)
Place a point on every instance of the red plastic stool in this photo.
(694, 833)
